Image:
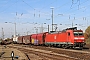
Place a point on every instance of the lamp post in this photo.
(15, 30)
(52, 17)
(2, 34)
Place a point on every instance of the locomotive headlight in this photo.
(82, 38)
(79, 38)
(75, 38)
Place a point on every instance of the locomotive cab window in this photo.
(78, 33)
(68, 33)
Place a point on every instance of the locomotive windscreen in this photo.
(78, 33)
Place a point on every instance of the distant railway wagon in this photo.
(7, 41)
(15, 39)
(20, 40)
(27, 39)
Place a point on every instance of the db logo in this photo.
(54, 37)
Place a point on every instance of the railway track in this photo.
(43, 54)
(54, 53)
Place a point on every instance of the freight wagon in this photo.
(34, 40)
(15, 39)
(38, 39)
(7, 41)
(41, 38)
(27, 39)
(20, 40)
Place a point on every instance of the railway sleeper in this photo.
(2, 54)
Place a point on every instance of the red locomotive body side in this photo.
(20, 40)
(57, 38)
(26, 39)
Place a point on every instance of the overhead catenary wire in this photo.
(6, 3)
(49, 4)
(36, 9)
(79, 4)
(28, 4)
(79, 7)
(8, 7)
(78, 1)
(44, 7)
(74, 6)
(75, 3)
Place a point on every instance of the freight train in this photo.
(67, 38)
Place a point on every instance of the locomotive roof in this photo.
(73, 28)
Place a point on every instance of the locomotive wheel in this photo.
(81, 48)
(65, 46)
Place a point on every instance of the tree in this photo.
(87, 34)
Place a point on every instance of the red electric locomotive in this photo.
(67, 38)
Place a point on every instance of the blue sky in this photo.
(25, 13)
